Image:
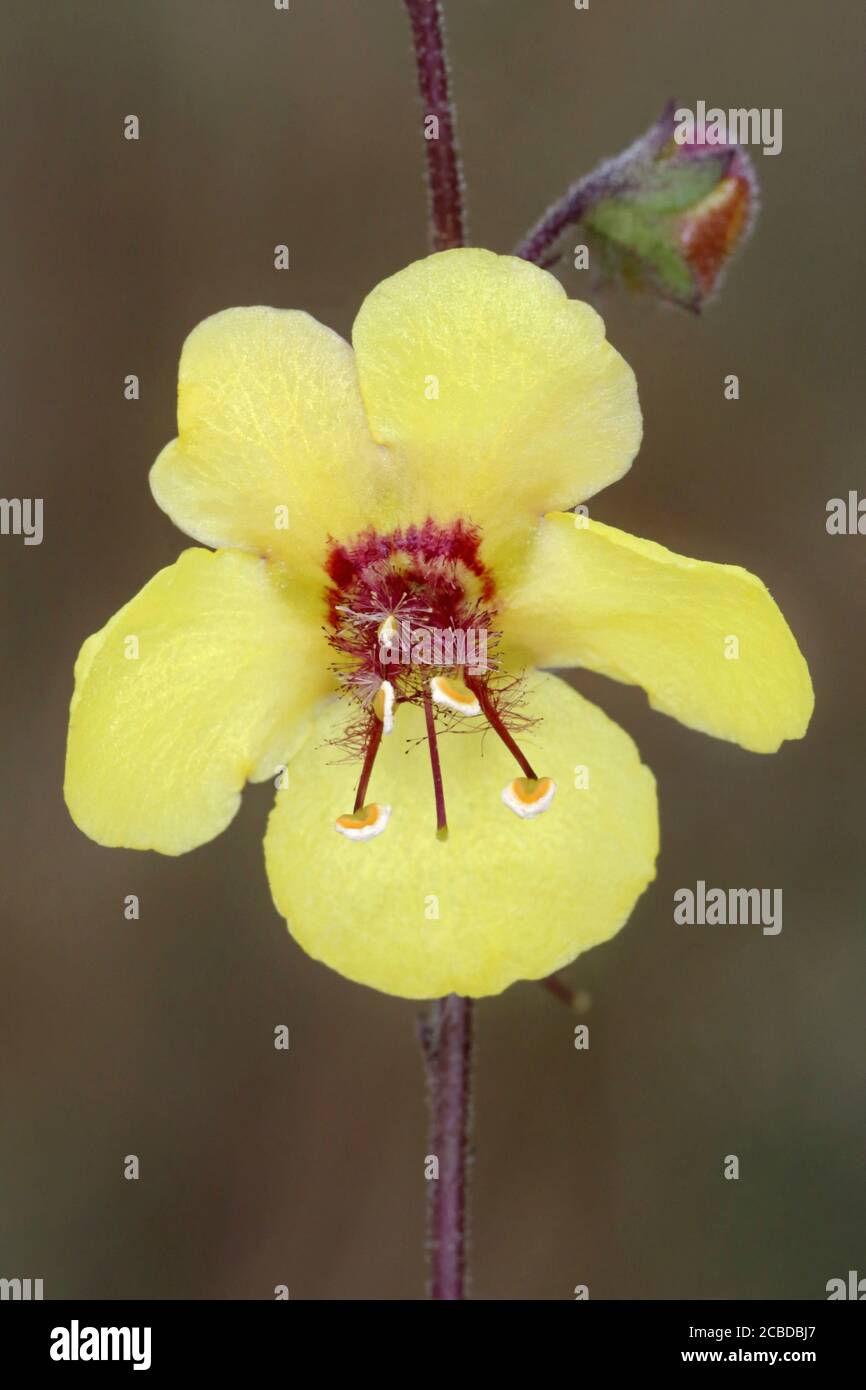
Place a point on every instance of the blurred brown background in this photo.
(155, 1037)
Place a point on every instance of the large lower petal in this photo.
(501, 899)
(501, 394)
(199, 684)
(273, 450)
(706, 641)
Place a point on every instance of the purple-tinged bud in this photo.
(678, 213)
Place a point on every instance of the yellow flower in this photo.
(355, 497)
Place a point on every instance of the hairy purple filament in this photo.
(496, 722)
(375, 738)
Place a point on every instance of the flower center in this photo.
(411, 618)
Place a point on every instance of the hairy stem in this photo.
(446, 1030)
(541, 243)
(444, 174)
(446, 1040)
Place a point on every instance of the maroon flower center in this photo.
(411, 618)
(408, 605)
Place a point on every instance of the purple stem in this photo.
(446, 1030)
(444, 175)
(567, 212)
(611, 177)
(446, 1041)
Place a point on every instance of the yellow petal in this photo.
(706, 641)
(200, 683)
(501, 394)
(501, 899)
(273, 449)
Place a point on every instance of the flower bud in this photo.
(674, 214)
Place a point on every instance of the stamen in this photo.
(383, 706)
(365, 823)
(529, 796)
(376, 731)
(496, 723)
(454, 695)
(441, 822)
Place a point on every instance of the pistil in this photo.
(438, 790)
